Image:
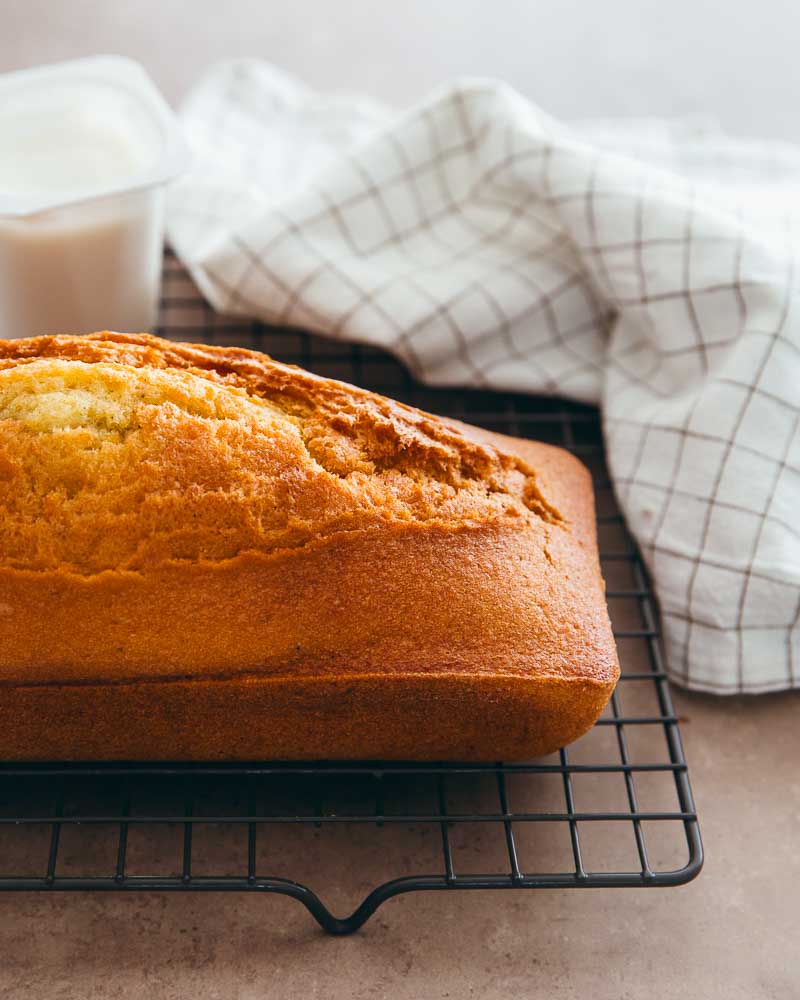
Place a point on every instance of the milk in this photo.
(100, 271)
(85, 151)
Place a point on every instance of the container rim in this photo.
(125, 75)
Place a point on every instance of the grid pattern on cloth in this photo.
(650, 270)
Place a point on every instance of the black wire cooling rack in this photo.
(614, 809)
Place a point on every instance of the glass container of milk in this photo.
(86, 150)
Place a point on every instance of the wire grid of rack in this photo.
(614, 809)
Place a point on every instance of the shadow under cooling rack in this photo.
(614, 809)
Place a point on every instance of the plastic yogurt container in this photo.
(86, 150)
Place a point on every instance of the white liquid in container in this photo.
(64, 152)
(85, 150)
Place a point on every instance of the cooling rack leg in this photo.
(338, 926)
(341, 926)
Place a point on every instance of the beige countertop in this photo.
(730, 934)
(733, 933)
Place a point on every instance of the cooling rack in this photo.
(614, 809)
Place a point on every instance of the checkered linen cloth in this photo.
(649, 268)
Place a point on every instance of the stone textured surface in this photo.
(731, 934)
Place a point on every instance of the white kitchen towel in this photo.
(649, 268)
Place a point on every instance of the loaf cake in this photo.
(205, 554)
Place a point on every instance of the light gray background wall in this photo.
(735, 59)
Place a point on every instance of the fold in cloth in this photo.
(649, 268)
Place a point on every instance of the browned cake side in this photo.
(208, 554)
